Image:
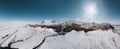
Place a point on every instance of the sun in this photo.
(90, 10)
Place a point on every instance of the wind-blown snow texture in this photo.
(26, 37)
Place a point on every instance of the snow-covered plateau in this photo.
(25, 36)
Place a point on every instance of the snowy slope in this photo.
(79, 40)
(26, 37)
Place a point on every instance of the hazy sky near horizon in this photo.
(38, 10)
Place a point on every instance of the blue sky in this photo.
(39, 10)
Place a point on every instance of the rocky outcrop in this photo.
(77, 27)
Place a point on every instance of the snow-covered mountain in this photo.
(23, 36)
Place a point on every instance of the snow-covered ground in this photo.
(26, 37)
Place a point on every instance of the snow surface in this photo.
(32, 37)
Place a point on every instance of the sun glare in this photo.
(90, 10)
